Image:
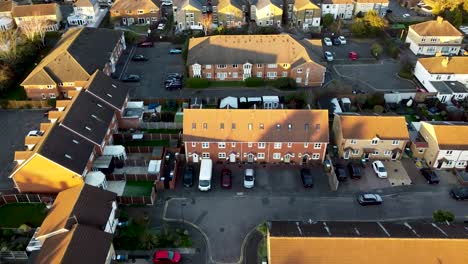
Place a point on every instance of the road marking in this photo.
(239, 193)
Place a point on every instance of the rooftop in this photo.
(445, 65)
(449, 135)
(448, 87)
(108, 90)
(134, 5)
(438, 27)
(34, 10)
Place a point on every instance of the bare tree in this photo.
(207, 22)
(35, 28)
(8, 45)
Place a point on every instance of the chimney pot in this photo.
(445, 61)
(440, 20)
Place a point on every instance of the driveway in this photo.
(15, 125)
(380, 77)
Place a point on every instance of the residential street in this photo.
(227, 219)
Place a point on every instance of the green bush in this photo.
(376, 50)
(379, 109)
(285, 83)
(393, 50)
(442, 216)
(130, 37)
(197, 83)
(254, 82)
(52, 102)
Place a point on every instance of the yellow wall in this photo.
(431, 153)
(41, 175)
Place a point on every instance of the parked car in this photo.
(327, 42)
(249, 178)
(139, 57)
(226, 178)
(172, 76)
(189, 176)
(174, 84)
(460, 193)
(145, 44)
(175, 51)
(131, 78)
(354, 170)
(353, 55)
(161, 26)
(166, 2)
(35, 133)
(369, 199)
(379, 169)
(307, 178)
(430, 175)
(328, 56)
(342, 40)
(336, 41)
(406, 15)
(166, 256)
(340, 172)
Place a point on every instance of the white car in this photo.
(166, 2)
(379, 169)
(161, 26)
(249, 178)
(35, 133)
(327, 42)
(406, 15)
(342, 40)
(328, 56)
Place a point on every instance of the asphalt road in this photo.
(227, 219)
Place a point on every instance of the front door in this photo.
(439, 165)
(287, 158)
(394, 155)
(305, 158)
(195, 157)
(232, 157)
(346, 154)
(124, 21)
(250, 158)
(366, 156)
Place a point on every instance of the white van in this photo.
(204, 180)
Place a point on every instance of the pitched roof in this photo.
(67, 149)
(82, 204)
(355, 126)
(337, 2)
(77, 55)
(108, 90)
(84, 3)
(437, 27)
(223, 3)
(6, 6)
(275, 125)
(263, 3)
(384, 242)
(299, 4)
(134, 5)
(80, 243)
(183, 3)
(89, 117)
(449, 135)
(34, 10)
(445, 65)
(239, 49)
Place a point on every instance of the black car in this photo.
(340, 172)
(307, 178)
(369, 199)
(336, 41)
(460, 193)
(430, 176)
(131, 78)
(174, 84)
(171, 77)
(139, 57)
(189, 175)
(354, 171)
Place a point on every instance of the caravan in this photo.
(204, 180)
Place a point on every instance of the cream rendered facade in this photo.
(54, 20)
(84, 14)
(341, 10)
(430, 45)
(269, 15)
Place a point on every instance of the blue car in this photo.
(175, 51)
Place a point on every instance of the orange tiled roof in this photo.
(444, 65)
(369, 127)
(450, 135)
(437, 27)
(316, 120)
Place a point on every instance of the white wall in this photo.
(342, 10)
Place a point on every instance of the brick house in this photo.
(447, 144)
(77, 55)
(431, 37)
(255, 135)
(370, 136)
(304, 14)
(237, 57)
(50, 14)
(129, 12)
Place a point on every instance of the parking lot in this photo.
(15, 125)
(153, 71)
(340, 52)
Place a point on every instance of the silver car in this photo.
(328, 56)
(249, 178)
(369, 199)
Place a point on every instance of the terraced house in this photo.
(48, 15)
(342, 9)
(370, 136)
(231, 13)
(266, 12)
(434, 36)
(77, 55)
(304, 14)
(188, 14)
(256, 135)
(129, 12)
(364, 6)
(237, 57)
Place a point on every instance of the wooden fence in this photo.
(145, 200)
(160, 125)
(139, 149)
(13, 104)
(26, 198)
(13, 257)
(132, 177)
(136, 163)
(120, 138)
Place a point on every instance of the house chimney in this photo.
(445, 61)
(438, 54)
(440, 20)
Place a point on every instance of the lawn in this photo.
(140, 29)
(151, 143)
(14, 215)
(138, 188)
(179, 117)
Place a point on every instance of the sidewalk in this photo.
(251, 248)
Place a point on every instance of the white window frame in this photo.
(374, 142)
(194, 144)
(208, 66)
(290, 144)
(259, 74)
(306, 144)
(277, 145)
(52, 96)
(355, 152)
(276, 156)
(317, 145)
(449, 152)
(395, 142)
(261, 145)
(375, 153)
(233, 145)
(299, 70)
(272, 65)
(221, 144)
(221, 66)
(222, 155)
(316, 156)
(206, 155)
(353, 142)
(205, 145)
(261, 155)
(249, 144)
(259, 65)
(387, 153)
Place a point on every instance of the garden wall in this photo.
(26, 198)
(138, 200)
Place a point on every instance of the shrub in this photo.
(285, 83)
(393, 51)
(130, 37)
(442, 216)
(197, 83)
(327, 20)
(254, 82)
(379, 109)
(376, 50)
(4, 103)
(375, 99)
(52, 102)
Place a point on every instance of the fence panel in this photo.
(160, 125)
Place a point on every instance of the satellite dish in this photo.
(409, 103)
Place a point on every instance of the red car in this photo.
(166, 256)
(145, 44)
(353, 55)
(226, 179)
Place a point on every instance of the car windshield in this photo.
(248, 178)
(188, 175)
(204, 183)
(170, 254)
(381, 169)
(369, 197)
(307, 179)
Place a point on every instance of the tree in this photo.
(6, 77)
(207, 22)
(8, 46)
(327, 20)
(374, 22)
(454, 16)
(440, 216)
(358, 27)
(34, 28)
(376, 50)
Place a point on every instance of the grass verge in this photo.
(14, 215)
(138, 188)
